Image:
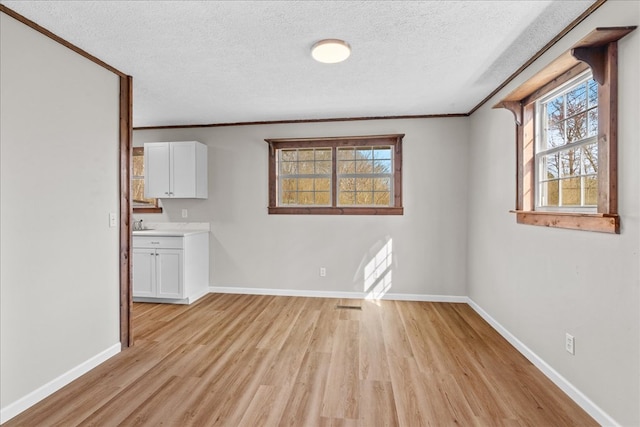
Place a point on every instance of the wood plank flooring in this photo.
(243, 360)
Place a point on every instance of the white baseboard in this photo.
(51, 387)
(333, 294)
(570, 390)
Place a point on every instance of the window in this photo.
(566, 154)
(566, 117)
(139, 202)
(345, 175)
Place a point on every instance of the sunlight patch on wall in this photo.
(378, 272)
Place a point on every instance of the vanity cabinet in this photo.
(175, 170)
(170, 268)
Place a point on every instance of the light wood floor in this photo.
(239, 360)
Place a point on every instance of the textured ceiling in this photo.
(200, 62)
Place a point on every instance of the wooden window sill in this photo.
(603, 223)
(336, 211)
(147, 210)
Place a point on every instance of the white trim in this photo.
(425, 298)
(283, 292)
(56, 384)
(185, 301)
(569, 389)
(333, 294)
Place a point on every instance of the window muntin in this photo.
(566, 147)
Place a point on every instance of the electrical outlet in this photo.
(570, 344)
(185, 213)
(323, 272)
(113, 219)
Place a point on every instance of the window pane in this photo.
(555, 109)
(571, 192)
(550, 167)
(137, 189)
(323, 154)
(323, 198)
(577, 99)
(347, 184)
(577, 127)
(323, 167)
(364, 184)
(364, 198)
(306, 198)
(289, 198)
(382, 184)
(288, 168)
(346, 154)
(346, 199)
(554, 123)
(289, 184)
(591, 190)
(593, 93)
(138, 165)
(322, 184)
(555, 135)
(382, 198)
(305, 184)
(593, 123)
(382, 153)
(364, 166)
(305, 168)
(305, 155)
(590, 158)
(289, 155)
(382, 166)
(570, 162)
(364, 153)
(550, 193)
(345, 167)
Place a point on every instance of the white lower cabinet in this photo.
(170, 268)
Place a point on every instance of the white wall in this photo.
(59, 180)
(541, 283)
(251, 249)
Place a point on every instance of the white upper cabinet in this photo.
(175, 170)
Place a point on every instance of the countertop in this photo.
(167, 233)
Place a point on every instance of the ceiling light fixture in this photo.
(331, 51)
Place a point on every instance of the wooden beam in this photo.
(573, 221)
(566, 61)
(126, 87)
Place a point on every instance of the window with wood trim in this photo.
(140, 203)
(566, 150)
(566, 118)
(359, 175)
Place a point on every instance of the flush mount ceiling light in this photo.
(330, 51)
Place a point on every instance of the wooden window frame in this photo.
(139, 151)
(394, 140)
(599, 52)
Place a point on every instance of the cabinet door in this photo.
(144, 272)
(169, 273)
(183, 169)
(156, 170)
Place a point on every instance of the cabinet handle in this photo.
(166, 192)
(155, 243)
